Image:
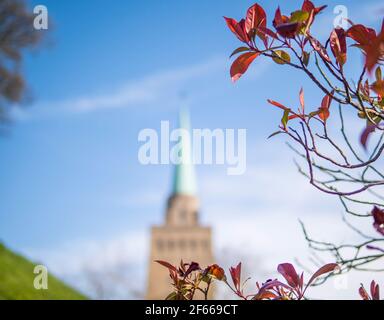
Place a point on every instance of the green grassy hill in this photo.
(16, 280)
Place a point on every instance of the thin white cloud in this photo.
(162, 88)
(150, 89)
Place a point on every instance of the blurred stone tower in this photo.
(181, 236)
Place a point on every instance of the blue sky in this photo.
(108, 69)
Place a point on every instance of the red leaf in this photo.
(378, 217)
(255, 18)
(241, 26)
(166, 264)
(237, 28)
(236, 275)
(375, 291)
(361, 34)
(302, 100)
(232, 23)
(319, 49)
(241, 64)
(326, 102)
(374, 51)
(363, 293)
(301, 281)
(324, 108)
(339, 45)
(278, 20)
(319, 9)
(324, 269)
(277, 104)
(308, 6)
(288, 271)
(323, 114)
(365, 134)
(288, 30)
(283, 26)
(293, 116)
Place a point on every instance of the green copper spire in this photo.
(184, 179)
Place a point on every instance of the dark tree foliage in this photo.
(16, 35)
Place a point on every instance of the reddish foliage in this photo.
(289, 273)
(361, 34)
(324, 108)
(378, 217)
(339, 45)
(256, 19)
(301, 97)
(186, 283)
(215, 271)
(308, 6)
(320, 49)
(293, 44)
(241, 64)
(236, 276)
(374, 51)
(288, 29)
(367, 40)
(238, 28)
(296, 27)
(374, 290)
